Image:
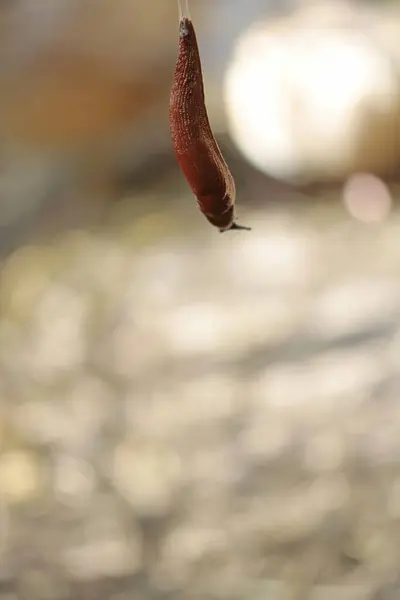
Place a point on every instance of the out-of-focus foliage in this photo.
(186, 415)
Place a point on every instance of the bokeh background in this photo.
(186, 415)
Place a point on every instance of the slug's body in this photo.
(196, 149)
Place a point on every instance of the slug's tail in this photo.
(235, 226)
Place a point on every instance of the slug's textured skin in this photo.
(196, 149)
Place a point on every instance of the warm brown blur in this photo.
(106, 66)
(83, 93)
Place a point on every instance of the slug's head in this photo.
(222, 220)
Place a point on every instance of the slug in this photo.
(196, 148)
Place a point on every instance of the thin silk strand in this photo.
(183, 6)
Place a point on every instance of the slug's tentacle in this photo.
(196, 149)
(235, 226)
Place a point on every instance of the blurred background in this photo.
(183, 414)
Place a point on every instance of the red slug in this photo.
(196, 149)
